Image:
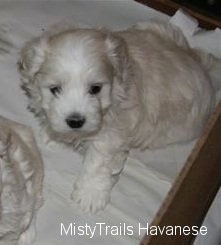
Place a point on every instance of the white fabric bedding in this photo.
(147, 176)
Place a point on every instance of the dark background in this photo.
(211, 8)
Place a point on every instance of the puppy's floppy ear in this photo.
(117, 52)
(32, 57)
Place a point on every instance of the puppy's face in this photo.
(74, 75)
(75, 82)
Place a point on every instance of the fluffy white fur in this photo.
(155, 91)
(21, 175)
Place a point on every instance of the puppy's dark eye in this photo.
(55, 90)
(95, 88)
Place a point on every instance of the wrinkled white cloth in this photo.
(185, 22)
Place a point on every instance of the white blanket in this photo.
(147, 176)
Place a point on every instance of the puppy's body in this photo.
(21, 175)
(167, 88)
(115, 91)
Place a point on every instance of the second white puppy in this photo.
(111, 92)
(21, 177)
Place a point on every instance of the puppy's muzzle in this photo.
(75, 121)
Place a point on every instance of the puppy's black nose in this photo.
(75, 121)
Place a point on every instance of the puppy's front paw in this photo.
(90, 198)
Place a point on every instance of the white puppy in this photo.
(111, 92)
(21, 175)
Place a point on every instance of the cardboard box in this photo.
(194, 189)
(170, 7)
